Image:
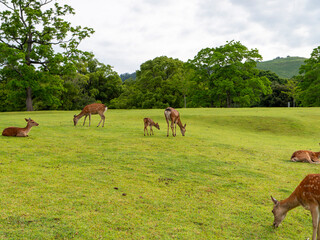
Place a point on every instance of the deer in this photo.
(173, 116)
(94, 108)
(149, 122)
(306, 156)
(307, 194)
(20, 132)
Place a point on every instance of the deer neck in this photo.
(290, 203)
(80, 115)
(27, 129)
(179, 123)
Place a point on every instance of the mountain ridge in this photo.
(283, 67)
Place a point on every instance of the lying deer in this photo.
(19, 132)
(149, 122)
(173, 116)
(307, 194)
(305, 156)
(94, 108)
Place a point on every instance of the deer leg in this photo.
(89, 119)
(314, 209)
(167, 127)
(318, 232)
(85, 120)
(315, 160)
(151, 131)
(308, 158)
(172, 128)
(102, 119)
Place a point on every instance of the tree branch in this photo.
(5, 4)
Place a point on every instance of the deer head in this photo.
(157, 126)
(183, 129)
(31, 122)
(75, 120)
(279, 213)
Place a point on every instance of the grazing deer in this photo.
(94, 108)
(149, 122)
(19, 132)
(305, 156)
(173, 115)
(307, 194)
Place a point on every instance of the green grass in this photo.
(66, 182)
(283, 67)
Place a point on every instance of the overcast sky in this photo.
(130, 32)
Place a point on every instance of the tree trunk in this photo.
(29, 99)
(228, 100)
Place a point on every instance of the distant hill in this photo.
(283, 67)
(126, 76)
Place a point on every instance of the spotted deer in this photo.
(305, 156)
(173, 116)
(94, 108)
(307, 194)
(19, 132)
(149, 122)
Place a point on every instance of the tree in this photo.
(161, 82)
(309, 81)
(279, 96)
(227, 76)
(103, 82)
(293, 90)
(131, 96)
(30, 32)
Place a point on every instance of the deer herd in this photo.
(307, 193)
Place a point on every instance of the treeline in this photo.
(225, 76)
(35, 76)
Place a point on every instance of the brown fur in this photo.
(173, 116)
(94, 108)
(149, 122)
(307, 194)
(19, 132)
(305, 156)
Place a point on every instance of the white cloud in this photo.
(129, 33)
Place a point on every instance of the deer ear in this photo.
(275, 201)
(26, 120)
(185, 125)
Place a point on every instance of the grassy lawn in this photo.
(66, 182)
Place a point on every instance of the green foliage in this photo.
(93, 82)
(280, 91)
(227, 76)
(29, 31)
(159, 84)
(67, 182)
(283, 67)
(309, 83)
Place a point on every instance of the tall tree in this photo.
(103, 82)
(279, 96)
(30, 33)
(309, 81)
(160, 83)
(227, 75)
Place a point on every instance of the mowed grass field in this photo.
(66, 182)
